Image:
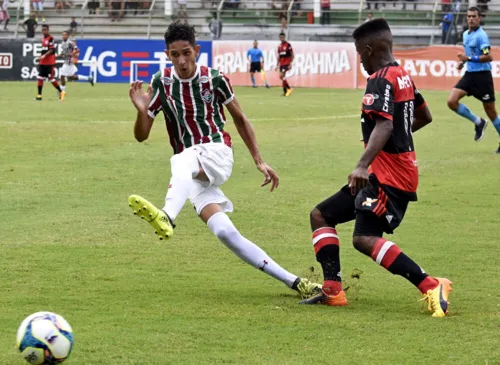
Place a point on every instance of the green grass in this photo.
(70, 244)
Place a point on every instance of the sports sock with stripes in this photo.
(40, 86)
(326, 247)
(388, 255)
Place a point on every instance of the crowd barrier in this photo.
(316, 64)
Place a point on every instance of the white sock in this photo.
(184, 168)
(477, 121)
(63, 87)
(226, 232)
(84, 78)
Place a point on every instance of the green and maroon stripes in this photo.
(193, 109)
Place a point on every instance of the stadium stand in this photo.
(414, 22)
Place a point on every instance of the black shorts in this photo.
(255, 67)
(46, 71)
(285, 68)
(374, 211)
(479, 85)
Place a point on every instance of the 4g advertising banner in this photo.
(110, 60)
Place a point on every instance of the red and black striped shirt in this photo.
(391, 94)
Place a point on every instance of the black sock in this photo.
(326, 248)
(40, 90)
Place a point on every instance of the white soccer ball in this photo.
(45, 338)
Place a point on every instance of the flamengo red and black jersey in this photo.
(285, 53)
(47, 45)
(391, 94)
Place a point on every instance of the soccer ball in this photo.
(45, 338)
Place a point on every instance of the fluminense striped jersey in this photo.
(193, 108)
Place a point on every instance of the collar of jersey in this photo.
(186, 80)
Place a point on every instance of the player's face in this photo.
(364, 52)
(473, 19)
(65, 36)
(282, 38)
(45, 31)
(183, 55)
(255, 44)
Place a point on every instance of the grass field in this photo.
(70, 244)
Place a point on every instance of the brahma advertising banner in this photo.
(316, 64)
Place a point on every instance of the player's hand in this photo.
(358, 179)
(462, 57)
(460, 65)
(139, 97)
(270, 175)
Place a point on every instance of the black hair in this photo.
(371, 27)
(180, 31)
(45, 26)
(65, 31)
(282, 34)
(475, 8)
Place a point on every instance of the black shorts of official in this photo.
(285, 68)
(255, 67)
(479, 85)
(46, 71)
(374, 211)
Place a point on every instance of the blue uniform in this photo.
(255, 55)
(476, 43)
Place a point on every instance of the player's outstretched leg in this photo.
(388, 255)
(90, 79)
(326, 248)
(185, 167)
(462, 110)
(491, 111)
(224, 229)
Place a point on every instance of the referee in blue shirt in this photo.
(256, 59)
(477, 80)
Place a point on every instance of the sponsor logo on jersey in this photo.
(167, 80)
(486, 97)
(204, 79)
(369, 99)
(368, 202)
(207, 96)
(389, 218)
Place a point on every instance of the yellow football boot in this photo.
(158, 219)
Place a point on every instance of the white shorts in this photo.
(217, 161)
(68, 70)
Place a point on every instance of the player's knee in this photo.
(316, 219)
(226, 234)
(452, 103)
(362, 244)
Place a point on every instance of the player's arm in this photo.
(423, 115)
(382, 111)
(247, 134)
(142, 102)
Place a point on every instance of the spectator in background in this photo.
(284, 24)
(182, 13)
(215, 27)
(145, 5)
(60, 5)
(38, 8)
(132, 5)
(93, 6)
(30, 25)
(446, 25)
(116, 9)
(4, 13)
(325, 12)
(414, 4)
(73, 27)
(369, 17)
(369, 4)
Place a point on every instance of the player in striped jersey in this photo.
(70, 53)
(192, 99)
